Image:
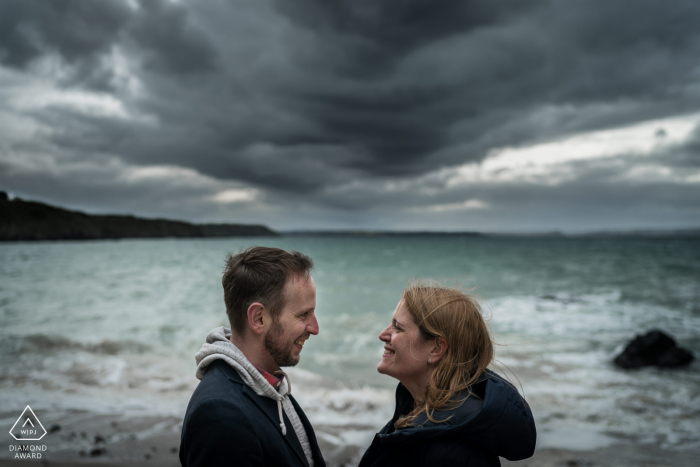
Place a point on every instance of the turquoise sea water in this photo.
(112, 326)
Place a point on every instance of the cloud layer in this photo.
(309, 114)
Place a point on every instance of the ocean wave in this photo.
(601, 317)
(42, 343)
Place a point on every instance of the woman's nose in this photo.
(384, 335)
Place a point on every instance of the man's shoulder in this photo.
(219, 418)
(218, 384)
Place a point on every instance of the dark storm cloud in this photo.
(375, 35)
(80, 33)
(685, 156)
(75, 30)
(490, 67)
(303, 97)
(170, 43)
(392, 124)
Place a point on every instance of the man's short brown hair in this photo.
(258, 274)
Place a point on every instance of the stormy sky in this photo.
(487, 115)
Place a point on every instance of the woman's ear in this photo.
(256, 317)
(438, 350)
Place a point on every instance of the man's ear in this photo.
(257, 317)
(438, 350)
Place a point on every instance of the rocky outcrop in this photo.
(27, 220)
(655, 348)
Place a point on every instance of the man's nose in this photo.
(312, 327)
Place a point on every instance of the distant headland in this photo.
(29, 220)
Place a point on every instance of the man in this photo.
(242, 412)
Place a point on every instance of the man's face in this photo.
(295, 323)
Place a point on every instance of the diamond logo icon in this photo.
(28, 427)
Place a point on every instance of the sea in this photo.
(111, 328)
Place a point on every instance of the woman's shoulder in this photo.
(465, 406)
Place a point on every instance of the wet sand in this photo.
(106, 441)
(617, 456)
(88, 439)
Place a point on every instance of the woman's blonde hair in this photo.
(456, 317)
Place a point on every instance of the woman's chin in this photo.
(384, 369)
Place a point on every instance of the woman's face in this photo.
(405, 353)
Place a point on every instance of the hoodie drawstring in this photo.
(279, 411)
(282, 375)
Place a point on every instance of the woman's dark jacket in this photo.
(498, 422)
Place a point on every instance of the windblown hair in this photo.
(456, 317)
(258, 274)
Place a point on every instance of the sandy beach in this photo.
(90, 439)
(105, 441)
(614, 456)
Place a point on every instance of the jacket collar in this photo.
(405, 402)
(269, 408)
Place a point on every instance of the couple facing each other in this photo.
(450, 409)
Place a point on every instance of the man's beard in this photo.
(281, 352)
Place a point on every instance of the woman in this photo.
(450, 410)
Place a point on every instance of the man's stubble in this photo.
(281, 352)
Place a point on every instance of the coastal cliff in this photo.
(28, 220)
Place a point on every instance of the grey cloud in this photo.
(502, 66)
(83, 33)
(687, 155)
(374, 35)
(294, 167)
(171, 44)
(605, 184)
(74, 29)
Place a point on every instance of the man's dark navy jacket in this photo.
(228, 424)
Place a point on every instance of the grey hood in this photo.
(219, 347)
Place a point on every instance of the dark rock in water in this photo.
(675, 357)
(98, 452)
(653, 348)
(54, 428)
